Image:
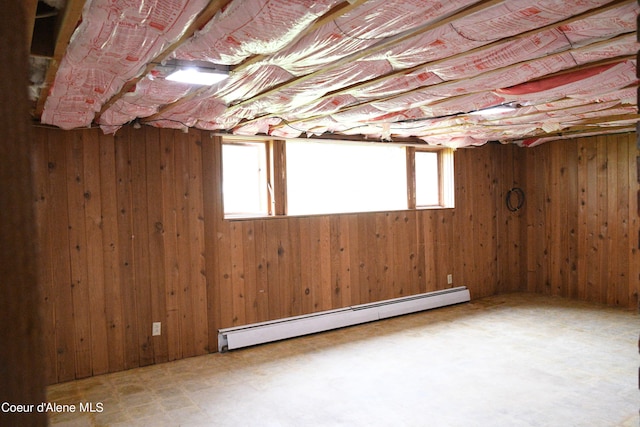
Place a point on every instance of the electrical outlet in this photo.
(449, 279)
(156, 329)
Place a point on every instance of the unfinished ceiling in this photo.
(380, 69)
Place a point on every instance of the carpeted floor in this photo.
(509, 360)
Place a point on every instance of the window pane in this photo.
(328, 178)
(244, 179)
(427, 186)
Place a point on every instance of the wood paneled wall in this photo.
(582, 220)
(121, 231)
(131, 232)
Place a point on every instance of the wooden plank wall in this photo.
(121, 233)
(131, 232)
(582, 225)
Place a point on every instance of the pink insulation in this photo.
(252, 27)
(359, 29)
(584, 83)
(509, 18)
(465, 67)
(422, 86)
(112, 45)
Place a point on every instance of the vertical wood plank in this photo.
(224, 274)
(429, 249)
(181, 189)
(197, 243)
(621, 239)
(543, 218)
(237, 273)
(355, 259)
(344, 256)
(114, 301)
(531, 212)
(504, 178)
(463, 219)
(283, 285)
(315, 265)
(172, 270)
(420, 253)
(555, 199)
(583, 184)
(156, 251)
(612, 237)
(95, 260)
(634, 225)
(294, 267)
(274, 250)
(262, 280)
(390, 286)
(335, 266)
(213, 217)
(78, 256)
(381, 265)
(125, 238)
(572, 208)
(43, 193)
(600, 218)
(61, 267)
(249, 272)
(307, 257)
(324, 256)
(140, 239)
(405, 254)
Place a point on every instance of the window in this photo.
(327, 177)
(263, 178)
(244, 179)
(427, 173)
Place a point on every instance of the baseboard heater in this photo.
(260, 333)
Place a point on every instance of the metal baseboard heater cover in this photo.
(260, 333)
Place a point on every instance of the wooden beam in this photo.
(205, 16)
(68, 22)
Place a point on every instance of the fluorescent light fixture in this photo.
(498, 109)
(198, 76)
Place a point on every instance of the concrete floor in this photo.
(510, 360)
